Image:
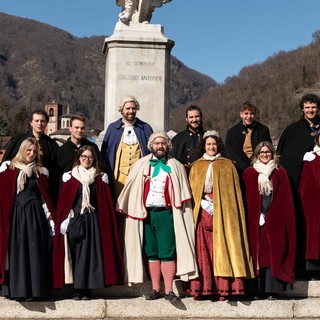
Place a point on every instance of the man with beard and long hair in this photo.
(156, 200)
(186, 143)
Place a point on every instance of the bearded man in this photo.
(156, 200)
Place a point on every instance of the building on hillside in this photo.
(59, 123)
(55, 111)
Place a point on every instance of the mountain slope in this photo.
(40, 63)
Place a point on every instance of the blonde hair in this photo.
(269, 145)
(20, 157)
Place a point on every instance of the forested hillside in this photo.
(275, 86)
(40, 63)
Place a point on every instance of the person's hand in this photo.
(4, 165)
(207, 205)
(262, 219)
(309, 156)
(104, 177)
(52, 228)
(66, 176)
(64, 226)
(45, 171)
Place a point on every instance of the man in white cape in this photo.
(156, 200)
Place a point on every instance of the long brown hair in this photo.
(95, 162)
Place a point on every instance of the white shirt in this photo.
(155, 196)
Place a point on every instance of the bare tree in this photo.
(316, 37)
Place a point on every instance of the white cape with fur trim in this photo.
(130, 202)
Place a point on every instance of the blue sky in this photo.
(214, 37)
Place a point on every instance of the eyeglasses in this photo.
(160, 143)
(265, 153)
(84, 157)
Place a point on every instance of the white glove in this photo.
(64, 226)
(207, 205)
(65, 223)
(52, 229)
(262, 219)
(309, 156)
(66, 176)
(104, 177)
(45, 171)
(4, 165)
(46, 210)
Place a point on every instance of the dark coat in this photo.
(113, 136)
(235, 138)
(272, 245)
(67, 153)
(185, 146)
(294, 142)
(112, 255)
(48, 147)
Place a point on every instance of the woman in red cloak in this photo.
(86, 247)
(26, 213)
(271, 222)
(309, 189)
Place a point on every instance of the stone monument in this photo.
(138, 63)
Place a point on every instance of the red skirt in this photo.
(207, 283)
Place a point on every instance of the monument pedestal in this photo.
(138, 63)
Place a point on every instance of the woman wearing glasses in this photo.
(271, 222)
(86, 249)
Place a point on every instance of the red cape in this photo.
(309, 189)
(275, 242)
(8, 189)
(112, 256)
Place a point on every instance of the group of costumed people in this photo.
(86, 247)
(204, 228)
(242, 253)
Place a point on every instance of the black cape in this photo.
(235, 139)
(185, 146)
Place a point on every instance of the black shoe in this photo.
(77, 296)
(28, 299)
(171, 296)
(153, 295)
(86, 294)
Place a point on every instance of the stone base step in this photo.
(123, 302)
(301, 289)
(139, 308)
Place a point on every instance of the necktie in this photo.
(157, 164)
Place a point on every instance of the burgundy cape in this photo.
(112, 256)
(8, 189)
(309, 189)
(274, 244)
